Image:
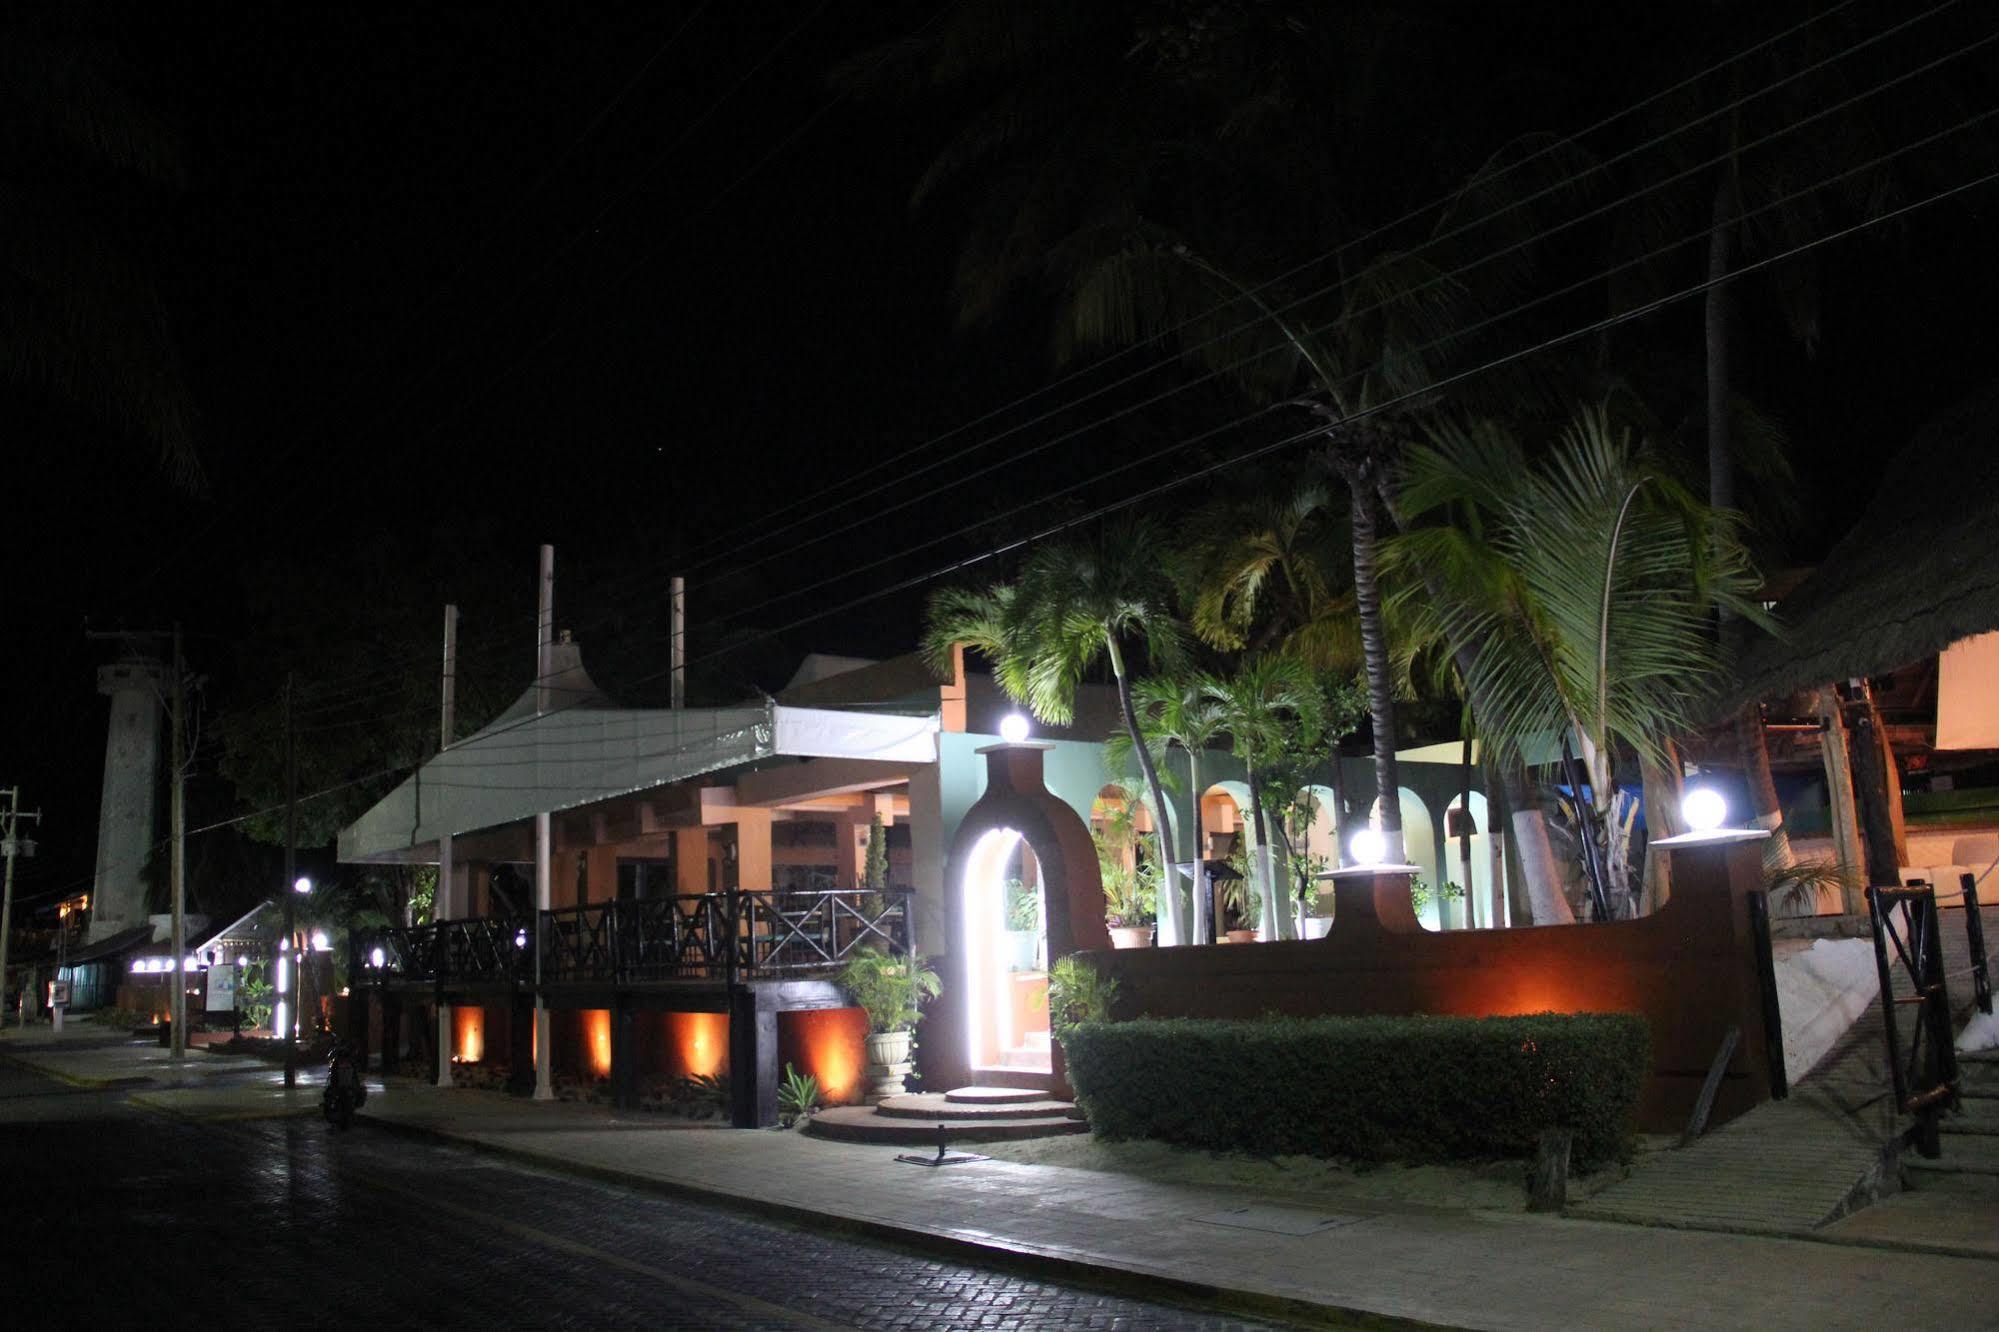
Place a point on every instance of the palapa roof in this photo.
(1919, 571)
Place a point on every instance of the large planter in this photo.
(1240, 936)
(1021, 948)
(1130, 936)
(888, 1064)
(1315, 927)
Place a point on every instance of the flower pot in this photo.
(1020, 949)
(1130, 936)
(888, 1064)
(1241, 936)
(1316, 927)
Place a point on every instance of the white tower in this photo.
(125, 822)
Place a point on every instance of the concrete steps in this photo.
(965, 1115)
(931, 1105)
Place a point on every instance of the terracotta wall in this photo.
(1690, 970)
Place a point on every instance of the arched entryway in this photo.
(989, 1023)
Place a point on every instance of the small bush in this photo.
(1374, 1088)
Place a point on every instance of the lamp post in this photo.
(13, 846)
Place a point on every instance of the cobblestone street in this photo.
(125, 1215)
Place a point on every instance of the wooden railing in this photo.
(706, 936)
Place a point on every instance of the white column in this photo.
(443, 906)
(544, 1090)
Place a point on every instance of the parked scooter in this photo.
(345, 1092)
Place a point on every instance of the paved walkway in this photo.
(1796, 1165)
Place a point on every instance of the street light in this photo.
(1013, 728)
(302, 884)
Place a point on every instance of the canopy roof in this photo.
(563, 758)
(1917, 573)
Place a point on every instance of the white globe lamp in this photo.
(1368, 846)
(1704, 809)
(1013, 728)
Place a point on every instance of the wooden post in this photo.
(1870, 790)
(1838, 762)
(752, 1059)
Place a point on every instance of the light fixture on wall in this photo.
(1013, 728)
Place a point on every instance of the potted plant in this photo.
(1078, 992)
(892, 990)
(1308, 867)
(1240, 895)
(1023, 926)
(1128, 903)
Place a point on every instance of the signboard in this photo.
(58, 994)
(222, 987)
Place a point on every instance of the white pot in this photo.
(1316, 927)
(888, 1064)
(1020, 949)
(1129, 936)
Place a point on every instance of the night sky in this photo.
(465, 279)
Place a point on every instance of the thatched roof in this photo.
(1919, 571)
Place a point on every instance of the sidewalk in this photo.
(1463, 1269)
(1375, 1261)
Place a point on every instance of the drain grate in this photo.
(1274, 1219)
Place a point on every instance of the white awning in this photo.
(563, 759)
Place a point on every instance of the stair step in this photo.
(931, 1105)
(1026, 1057)
(995, 1095)
(853, 1123)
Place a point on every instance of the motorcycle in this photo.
(345, 1092)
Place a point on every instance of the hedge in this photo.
(1373, 1088)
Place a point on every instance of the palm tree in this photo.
(1587, 592)
(1266, 575)
(1176, 710)
(1076, 603)
(1267, 697)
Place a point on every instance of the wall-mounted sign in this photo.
(222, 987)
(58, 994)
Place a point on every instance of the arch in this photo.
(1487, 890)
(1016, 812)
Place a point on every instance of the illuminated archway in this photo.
(1487, 890)
(1015, 819)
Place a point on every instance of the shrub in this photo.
(1078, 992)
(797, 1096)
(1377, 1088)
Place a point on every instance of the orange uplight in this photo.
(830, 1049)
(597, 1037)
(699, 1041)
(468, 1033)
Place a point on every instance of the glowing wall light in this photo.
(1368, 846)
(597, 1040)
(827, 1044)
(280, 1017)
(1013, 728)
(699, 1042)
(468, 1033)
(1704, 809)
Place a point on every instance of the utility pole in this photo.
(13, 846)
(544, 656)
(676, 636)
(443, 900)
(177, 1001)
(289, 961)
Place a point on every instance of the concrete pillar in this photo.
(690, 860)
(125, 822)
(624, 1055)
(927, 850)
(445, 904)
(544, 1086)
(753, 849)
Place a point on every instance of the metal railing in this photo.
(1924, 1073)
(707, 936)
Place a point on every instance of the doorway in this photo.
(1006, 952)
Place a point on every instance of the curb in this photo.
(72, 1079)
(1024, 1259)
